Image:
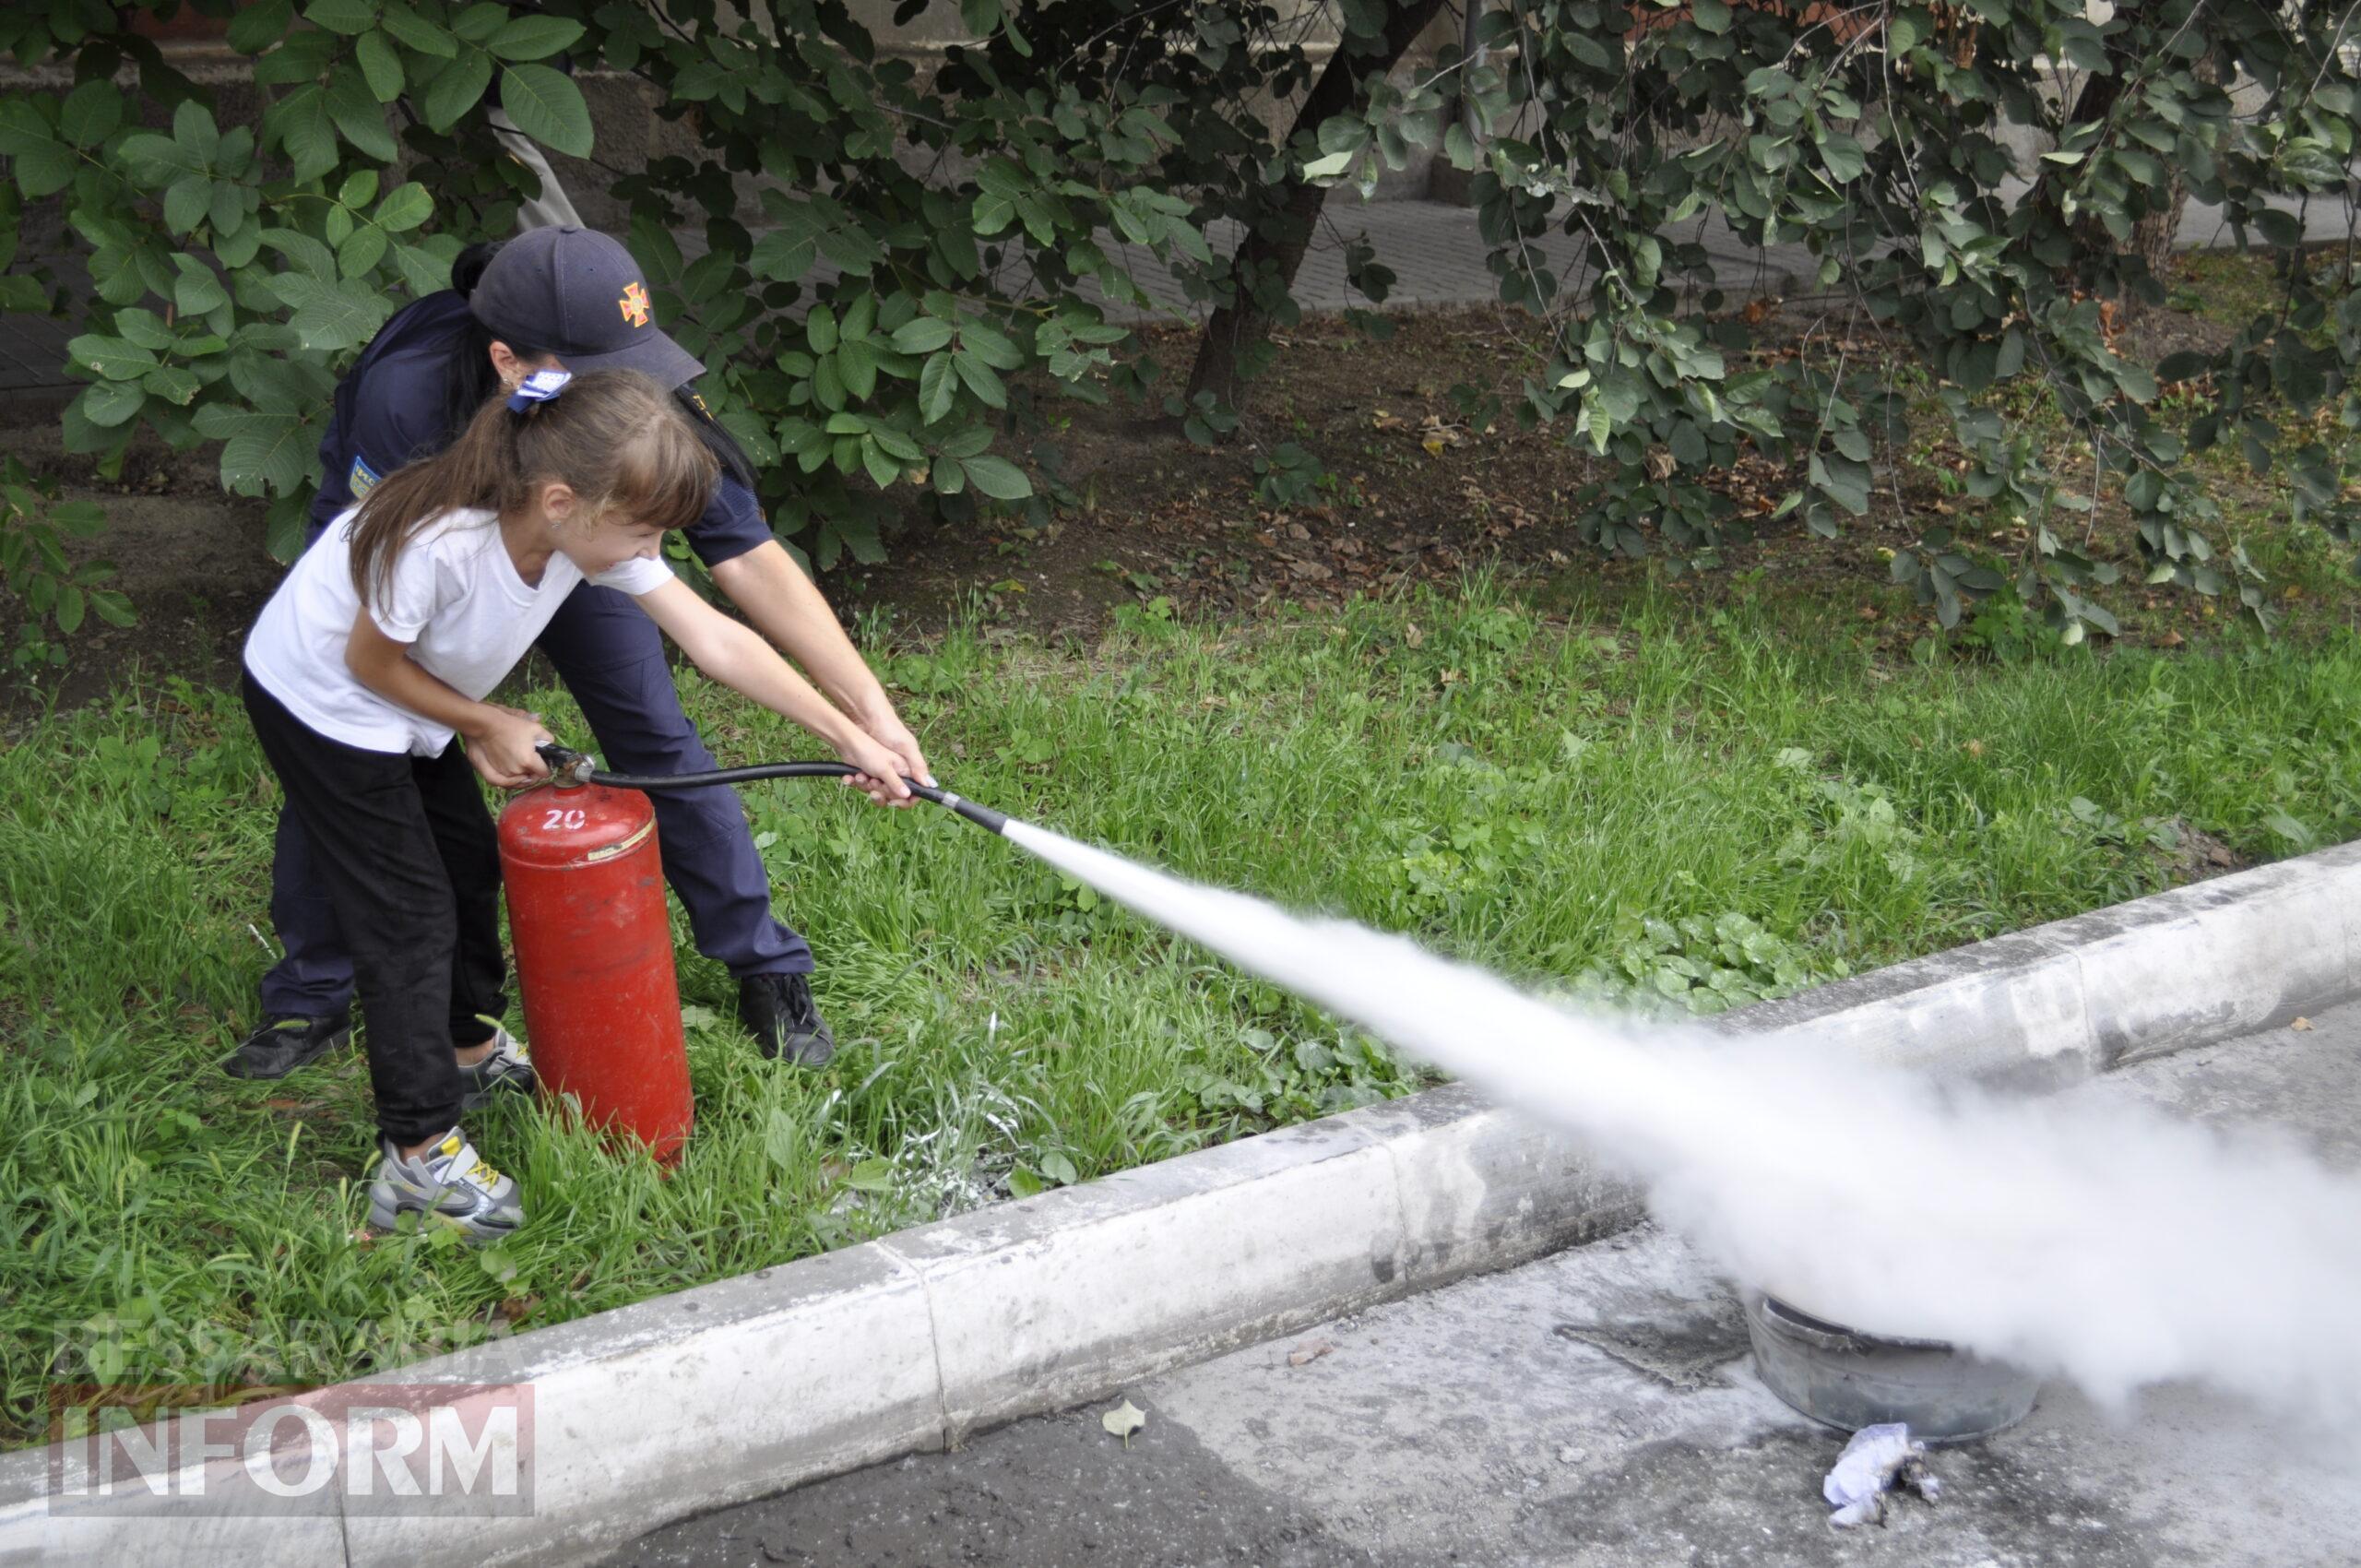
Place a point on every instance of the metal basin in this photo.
(1849, 1378)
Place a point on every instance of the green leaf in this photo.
(360, 116)
(304, 252)
(856, 366)
(151, 159)
(480, 21)
(998, 477)
(990, 346)
(781, 256)
(361, 251)
(1844, 159)
(534, 37)
(112, 403)
(198, 289)
(187, 202)
(548, 107)
(894, 443)
(422, 271)
(92, 113)
(922, 335)
(299, 123)
(416, 32)
(42, 164)
(981, 379)
(346, 16)
(456, 88)
(990, 215)
(873, 1175)
(2278, 228)
(379, 66)
(174, 383)
(260, 25)
(330, 315)
(820, 330)
(1712, 15)
(1328, 167)
(260, 452)
(145, 328)
(113, 359)
(938, 385)
(404, 209)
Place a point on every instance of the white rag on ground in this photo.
(1878, 1457)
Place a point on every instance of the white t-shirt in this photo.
(455, 597)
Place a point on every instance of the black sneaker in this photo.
(777, 1011)
(286, 1043)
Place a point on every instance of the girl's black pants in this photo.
(412, 867)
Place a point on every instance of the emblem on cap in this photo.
(634, 303)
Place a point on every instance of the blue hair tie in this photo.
(537, 387)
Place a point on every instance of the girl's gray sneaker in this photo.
(448, 1182)
(508, 1070)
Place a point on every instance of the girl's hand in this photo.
(501, 746)
(880, 770)
(888, 731)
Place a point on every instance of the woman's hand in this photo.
(501, 746)
(880, 770)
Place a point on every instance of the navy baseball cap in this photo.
(576, 293)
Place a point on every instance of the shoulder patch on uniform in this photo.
(362, 480)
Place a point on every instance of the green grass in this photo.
(1638, 799)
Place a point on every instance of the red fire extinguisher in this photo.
(594, 959)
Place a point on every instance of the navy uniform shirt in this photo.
(390, 411)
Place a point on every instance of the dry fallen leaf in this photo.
(2301, 1024)
(1306, 1355)
(1125, 1420)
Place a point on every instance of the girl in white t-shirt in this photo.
(381, 646)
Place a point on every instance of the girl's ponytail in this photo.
(613, 436)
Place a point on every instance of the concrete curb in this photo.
(745, 1387)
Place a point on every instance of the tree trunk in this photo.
(2152, 237)
(1281, 239)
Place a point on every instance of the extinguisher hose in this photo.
(574, 767)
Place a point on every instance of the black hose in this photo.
(574, 767)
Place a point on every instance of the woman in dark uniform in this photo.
(575, 299)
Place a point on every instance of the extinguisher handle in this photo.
(566, 765)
